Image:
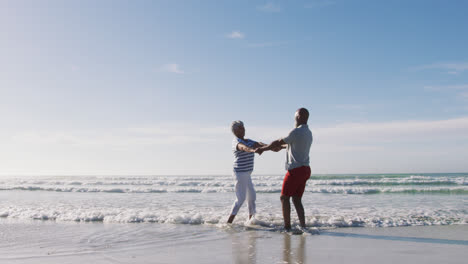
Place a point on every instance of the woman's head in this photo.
(237, 128)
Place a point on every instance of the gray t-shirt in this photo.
(299, 141)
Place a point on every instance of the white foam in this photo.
(326, 189)
(412, 184)
(198, 217)
(335, 202)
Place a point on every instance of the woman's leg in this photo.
(251, 196)
(241, 187)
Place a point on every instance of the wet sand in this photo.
(56, 242)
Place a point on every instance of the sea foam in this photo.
(334, 201)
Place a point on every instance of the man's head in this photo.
(237, 128)
(301, 117)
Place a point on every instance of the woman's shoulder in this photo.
(245, 141)
(250, 141)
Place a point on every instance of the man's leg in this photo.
(286, 211)
(303, 174)
(297, 200)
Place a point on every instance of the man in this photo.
(298, 143)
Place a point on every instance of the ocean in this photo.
(330, 201)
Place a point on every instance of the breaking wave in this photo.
(453, 184)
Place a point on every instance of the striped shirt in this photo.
(243, 161)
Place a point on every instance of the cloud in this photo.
(461, 89)
(449, 67)
(373, 135)
(343, 134)
(235, 35)
(75, 68)
(409, 145)
(397, 131)
(172, 68)
(317, 4)
(270, 8)
(162, 134)
(464, 95)
(398, 146)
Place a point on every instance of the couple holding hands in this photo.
(297, 144)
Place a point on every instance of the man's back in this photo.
(299, 141)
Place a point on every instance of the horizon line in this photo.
(254, 174)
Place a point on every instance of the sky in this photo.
(151, 87)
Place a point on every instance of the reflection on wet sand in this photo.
(244, 251)
(294, 255)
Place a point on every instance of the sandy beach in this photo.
(199, 131)
(51, 242)
(362, 219)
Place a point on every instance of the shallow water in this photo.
(329, 200)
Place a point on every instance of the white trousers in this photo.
(244, 189)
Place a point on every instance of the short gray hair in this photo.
(236, 124)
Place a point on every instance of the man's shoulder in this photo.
(304, 128)
(299, 129)
(294, 130)
(308, 132)
(304, 131)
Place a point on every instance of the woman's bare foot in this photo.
(231, 218)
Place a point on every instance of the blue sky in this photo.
(151, 87)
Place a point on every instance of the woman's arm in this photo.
(275, 145)
(243, 147)
(259, 145)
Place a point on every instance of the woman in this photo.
(244, 152)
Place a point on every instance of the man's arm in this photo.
(259, 145)
(280, 148)
(275, 145)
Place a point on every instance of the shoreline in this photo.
(56, 242)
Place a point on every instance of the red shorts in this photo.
(295, 181)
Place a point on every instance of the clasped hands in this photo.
(260, 150)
